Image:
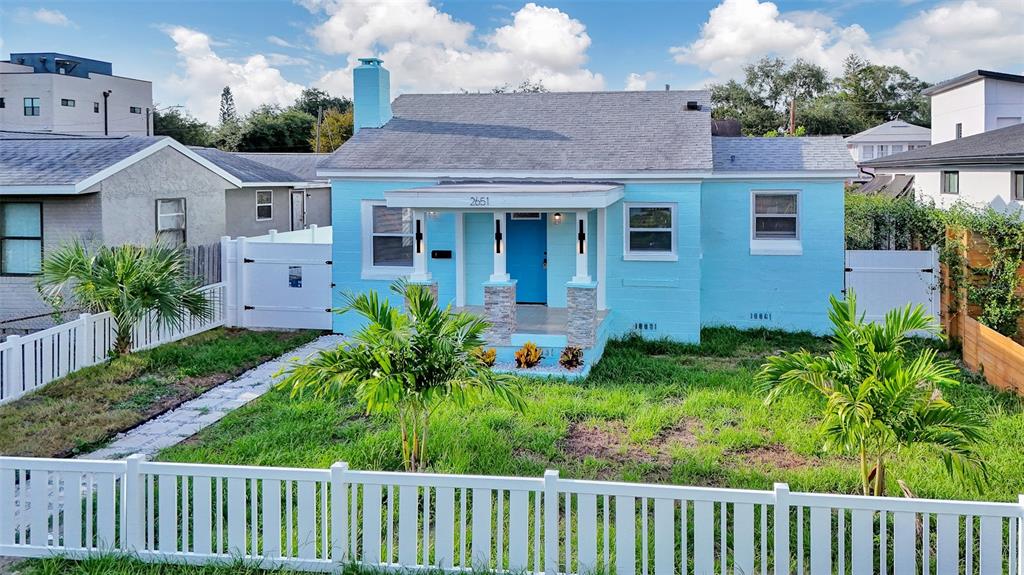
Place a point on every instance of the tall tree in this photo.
(770, 85)
(313, 100)
(271, 129)
(228, 113)
(883, 93)
(335, 129)
(182, 126)
(524, 87)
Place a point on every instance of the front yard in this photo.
(80, 412)
(649, 411)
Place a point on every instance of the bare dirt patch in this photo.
(609, 440)
(773, 456)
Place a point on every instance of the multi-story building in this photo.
(47, 91)
(976, 102)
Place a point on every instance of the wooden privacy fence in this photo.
(32, 361)
(204, 262)
(318, 519)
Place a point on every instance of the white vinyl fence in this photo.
(317, 519)
(280, 280)
(887, 279)
(32, 361)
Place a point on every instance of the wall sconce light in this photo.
(433, 214)
(497, 236)
(582, 237)
(558, 218)
(419, 236)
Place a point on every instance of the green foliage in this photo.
(881, 93)
(129, 282)
(528, 356)
(878, 222)
(270, 129)
(407, 363)
(335, 129)
(526, 86)
(874, 398)
(571, 357)
(313, 100)
(228, 113)
(183, 127)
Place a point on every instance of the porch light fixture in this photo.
(497, 236)
(582, 237)
(419, 236)
(558, 218)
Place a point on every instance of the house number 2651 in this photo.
(479, 201)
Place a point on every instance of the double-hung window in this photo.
(387, 240)
(650, 231)
(883, 150)
(775, 223)
(170, 220)
(867, 152)
(21, 238)
(951, 183)
(1018, 185)
(264, 205)
(31, 106)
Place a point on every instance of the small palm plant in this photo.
(407, 363)
(128, 281)
(876, 397)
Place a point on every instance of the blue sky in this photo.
(267, 50)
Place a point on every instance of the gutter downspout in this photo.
(106, 95)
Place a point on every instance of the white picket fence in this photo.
(32, 361)
(318, 519)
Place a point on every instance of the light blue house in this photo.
(565, 218)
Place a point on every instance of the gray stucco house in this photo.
(271, 196)
(110, 190)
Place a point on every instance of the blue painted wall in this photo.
(665, 296)
(794, 290)
(479, 245)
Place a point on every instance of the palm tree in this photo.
(128, 281)
(408, 363)
(876, 397)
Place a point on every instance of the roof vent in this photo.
(692, 105)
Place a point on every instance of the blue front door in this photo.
(526, 260)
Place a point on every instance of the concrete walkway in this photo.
(187, 419)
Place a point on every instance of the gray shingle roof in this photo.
(302, 165)
(893, 130)
(245, 169)
(36, 159)
(566, 131)
(993, 147)
(827, 153)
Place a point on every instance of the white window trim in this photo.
(181, 213)
(370, 271)
(776, 246)
(258, 204)
(670, 256)
(864, 152)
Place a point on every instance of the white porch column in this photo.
(420, 274)
(580, 245)
(500, 271)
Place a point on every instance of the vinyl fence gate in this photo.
(886, 279)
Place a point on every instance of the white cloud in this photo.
(933, 44)
(279, 41)
(637, 81)
(275, 59)
(51, 17)
(428, 50)
(253, 80)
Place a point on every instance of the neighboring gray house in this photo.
(313, 203)
(110, 190)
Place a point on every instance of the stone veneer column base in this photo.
(500, 309)
(581, 301)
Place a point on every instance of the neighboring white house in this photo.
(52, 92)
(985, 169)
(975, 102)
(892, 137)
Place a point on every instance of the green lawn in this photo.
(649, 411)
(82, 411)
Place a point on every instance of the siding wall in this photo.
(794, 290)
(240, 211)
(978, 186)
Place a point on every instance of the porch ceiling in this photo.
(506, 196)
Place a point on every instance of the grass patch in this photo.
(85, 409)
(649, 411)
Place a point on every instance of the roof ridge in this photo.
(553, 93)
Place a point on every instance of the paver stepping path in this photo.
(188, 418)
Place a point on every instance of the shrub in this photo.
(571, 358)
(529, 355)
(486, 356)
(876, 222)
